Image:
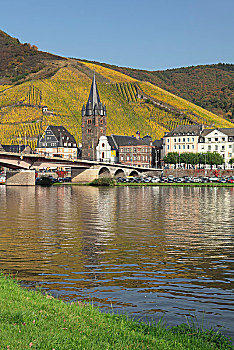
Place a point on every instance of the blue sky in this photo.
(146, 34)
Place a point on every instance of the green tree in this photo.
(231, 161)
(211, 158)
(171, 158)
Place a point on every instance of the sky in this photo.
(143, 34)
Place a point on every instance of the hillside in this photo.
(208, 86)
(63, 85)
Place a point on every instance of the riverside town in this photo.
(196, 153)
(116, 183)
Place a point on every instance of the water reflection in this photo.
(147, 250)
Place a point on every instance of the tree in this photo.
(212, 158)
(231, 161)
(171, 158)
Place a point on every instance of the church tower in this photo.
(93, 123)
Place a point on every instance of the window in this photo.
(230, 146)
(101, 121)
(128, 150)
(179, 139)
(134, 150)
(89, 121)
(179, 146)
(188, 139)
(209, 139)
(121, 150)
(174, 140)
(183, 146)
(216, 139)
(223, 138)
(192, 146)
(174, 147)
(192, 139)
(168, 140)
(216, 147)
(122, 158)
(209, 148)
(103, 145)
(183, 139)
(89, 131)
(223, 148)
(127, 157)
(187, 146)
(168, 147)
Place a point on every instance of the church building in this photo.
(93, 123)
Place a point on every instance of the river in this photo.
(145, 251)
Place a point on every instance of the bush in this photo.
(103, 181)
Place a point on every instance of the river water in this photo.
(145, 251)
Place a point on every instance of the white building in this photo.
(219, 140)
(57, 141)
(182, 139)
(107, 150)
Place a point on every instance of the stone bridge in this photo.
(82, 170)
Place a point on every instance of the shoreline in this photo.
(43, 322)
(148, 184)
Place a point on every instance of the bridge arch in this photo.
(133, 173)
(119, 173)
(104, 172)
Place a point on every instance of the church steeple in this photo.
(93, 123)
(94, 105)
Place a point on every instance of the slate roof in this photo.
(158, 143)
(94, 105)
(60, 131)
(226, 131)
(185, 130)
(94, 98)
(122, 140)
(13, 148)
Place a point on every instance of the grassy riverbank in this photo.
(114, 183)
(30, 320)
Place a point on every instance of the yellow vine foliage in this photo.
(112, 75)
(202, 116)
(68, 90)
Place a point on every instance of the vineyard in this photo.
(131, 105)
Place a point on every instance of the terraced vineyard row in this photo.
(13, 134)
(128, 91)
(196, 113)
(68, 90)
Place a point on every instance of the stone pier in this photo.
(20, 178)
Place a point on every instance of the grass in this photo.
(176, 184)
(114, 183)
(29, 319)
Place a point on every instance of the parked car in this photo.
(213, 179)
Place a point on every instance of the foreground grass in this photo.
(30, 320)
